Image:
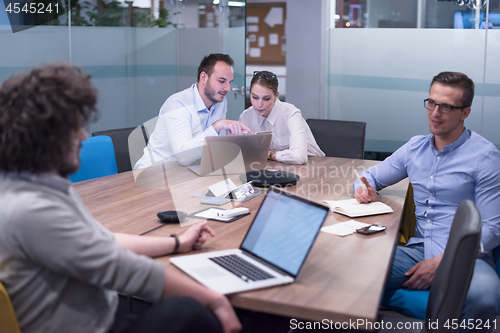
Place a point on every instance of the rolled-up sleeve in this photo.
(64, 241)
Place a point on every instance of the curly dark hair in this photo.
(208, 63)
(457, 80)
(40, 113)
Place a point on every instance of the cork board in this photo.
(265, 33)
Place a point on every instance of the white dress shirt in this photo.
(292, 137)
(183, 124)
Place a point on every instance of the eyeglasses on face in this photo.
(443, 107)
(267, 75)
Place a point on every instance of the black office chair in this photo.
(127, 141)
(451, 283)
(338, 138)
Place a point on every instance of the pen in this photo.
(362, 184)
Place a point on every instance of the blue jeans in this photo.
(483, 297)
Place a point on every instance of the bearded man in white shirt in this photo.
(187, 117)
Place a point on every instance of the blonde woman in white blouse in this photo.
(292, 140)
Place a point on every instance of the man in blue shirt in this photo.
(187, 117)
(446, 167)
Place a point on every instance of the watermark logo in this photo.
(28, 14)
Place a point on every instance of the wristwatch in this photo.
(177, 243)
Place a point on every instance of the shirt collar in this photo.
(460, 141)
(198, 102)
(48, 179)
(272, 115)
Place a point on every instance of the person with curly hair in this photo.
(62, 269)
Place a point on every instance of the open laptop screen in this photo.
(284, 230)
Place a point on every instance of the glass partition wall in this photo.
(138, 52)
(384, 53)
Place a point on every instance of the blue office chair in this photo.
(97, 158)
(127, 142)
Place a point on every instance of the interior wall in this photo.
(304, 60)
(382, 76)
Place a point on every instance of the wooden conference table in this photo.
(341, 280)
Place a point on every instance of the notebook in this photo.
(272, 252)
(233, 154)
(352, 208)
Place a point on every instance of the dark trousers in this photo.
(171, 315)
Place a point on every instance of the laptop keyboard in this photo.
(241, 268)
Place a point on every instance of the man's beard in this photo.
(69, 165)
(211, 94)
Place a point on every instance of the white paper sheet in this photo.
(253, 28)
(255, 52)
(273, 39)
(262, 41)
(252, 19)
(344, 228)
(274, 17)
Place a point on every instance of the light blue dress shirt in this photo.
(183, 123)
(469, 168)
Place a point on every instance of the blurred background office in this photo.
(357, 60)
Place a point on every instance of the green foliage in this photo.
(107, 14)
(101, 13)
(162, 21)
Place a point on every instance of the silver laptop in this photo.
(272, 253)
(233, 154)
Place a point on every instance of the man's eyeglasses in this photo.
(443, 107)
(267, 75)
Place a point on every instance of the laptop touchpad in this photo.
(208, 272)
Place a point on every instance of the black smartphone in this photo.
(371, 229)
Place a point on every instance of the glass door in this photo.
(212, 26)
(232, 30)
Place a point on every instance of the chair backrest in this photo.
(8, 320)
(97, 159)
(496, 258)
(451, 283)
(338, 138)
(128, 143)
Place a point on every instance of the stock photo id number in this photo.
(32, 8)
(27, 14)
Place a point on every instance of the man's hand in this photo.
(422, 273)
(233, 126)
(195, 237)
(226, 315)
(362, 196)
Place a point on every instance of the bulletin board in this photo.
(265, 38)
